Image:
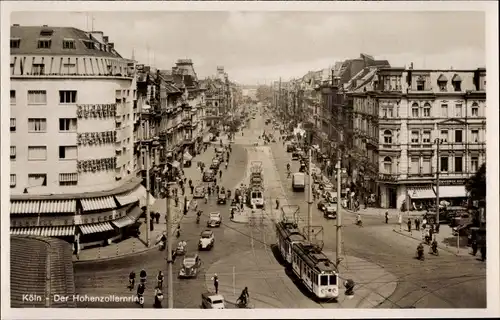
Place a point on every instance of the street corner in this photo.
(114, 251)
(373, 283)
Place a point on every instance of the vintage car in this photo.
(329, 209)
(214, 219)
(199, 191)
(207, 240)
(290, 147)
(222, 197)
(219, 150)
(181, 248)
(212, 301)
(215, 164)
(330, 196)
(190, 266)
(208, 176)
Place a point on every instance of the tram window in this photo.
(333, 280)
(324, 280)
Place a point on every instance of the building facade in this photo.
(72, 98)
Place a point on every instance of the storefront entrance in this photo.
(392, 196)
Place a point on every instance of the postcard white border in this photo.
(490, 9)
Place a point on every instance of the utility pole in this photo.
(438, 142)
(148, 222)
(339, 212)
(170, 262)
(309, 196)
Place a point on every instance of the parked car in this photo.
(208, 176)
(212, 301)
(330, 196)
(207, 240)
(190, 266)
(214, 219)
(199, 191)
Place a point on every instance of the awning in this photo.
(187, 156)
(96, 227)
(134, 214)
(99, 203)
(139, 194)
(58, 206)
(20, 207)
(25, 231)
(124, 199)
(444, 192)
(123, 221)
(57, 231)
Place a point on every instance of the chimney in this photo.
(111, 45)
(15, 25)
(411, 66)
(105, 39)
(45, 25)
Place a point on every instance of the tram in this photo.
(316, 271)
(287, 234)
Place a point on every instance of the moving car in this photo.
(330, 196)
(199, 192)
(295, 155)
(208, 176)
(190, 266)
(207, 240)
(298, 181)
(327, 187)
(290, 147)
(214, 219)
(329, 209)
(219, 150)
(215, 164)
(222, 197)
(212, 301)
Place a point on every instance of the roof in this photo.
(33, 260)
(29, 36)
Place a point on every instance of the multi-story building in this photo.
(72, 98)
(429, 122)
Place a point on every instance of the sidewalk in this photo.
(138, 245)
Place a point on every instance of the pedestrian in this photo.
(215, 181)
(190, 182)
(386, 217)
(151, 225)
(157, 216)
(409, 225)
(277, 204)
(417, 224)
(424, 223)
(217, 189)
(400, 220)
(209, 190)
(192, 188)
(220, 174)
(177, 201)
(226, 165)
(183, 190)
(215, 278)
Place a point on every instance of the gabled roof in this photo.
(442, 77)
(29, 36)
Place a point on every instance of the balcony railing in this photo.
(389, 177)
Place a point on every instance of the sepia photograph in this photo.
(250, 156)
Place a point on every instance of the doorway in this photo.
(393, 195)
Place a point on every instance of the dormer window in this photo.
(420, 84)
(89, 44)
(15, 43)
(457, 83)
(46, 32)
(44, 43)
(69, 44)
(442, 81)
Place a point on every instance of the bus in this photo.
(299, 181)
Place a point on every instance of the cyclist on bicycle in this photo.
(160, 279)
(131, 280)
(143, 275)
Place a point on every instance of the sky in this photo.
(260, 47)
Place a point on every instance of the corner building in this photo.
(72, 165)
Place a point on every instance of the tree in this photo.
(476, 185)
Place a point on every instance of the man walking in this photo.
(216, 283)
(409, 225)
(386, 217)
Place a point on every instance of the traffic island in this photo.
(270, 285)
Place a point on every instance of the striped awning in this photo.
(123, 221)
(444, 192)
(96, 227)
(134, 214)
(123, 199)
(53, 231)
(58, 206)
(99, 203)
(20, 207)
(138, 193)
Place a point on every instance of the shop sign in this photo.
(452, 182)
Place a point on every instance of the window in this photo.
(12, 96)
(44, 44)
(415, 165)
(414, 137)
(12, 124)
(442, 86)
(426, 166)
(68, 179)
(444, 136)
(458, 135)
(69, 68)
(323, 280)
(89, 44)
(333, 280)
(37, 97)
(388, 136)
(427, 110)
(414, 110)
(444, 164)
(38, 69)
(67, 96)
(474, 164)
(475, 110)
(388, 165)
(457, 85)
(67, 124)
(13, 180)
(37, 179)
(15, 43)
(12, 152)
(37, 153)
(426, 137)
(69, 44)
(458, 110)
(67, 152)
(420, 84)
(37, 125)
(475, 136)
(458, 164)
(444, 110)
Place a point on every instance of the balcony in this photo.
(388, 177)
(420, 145)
